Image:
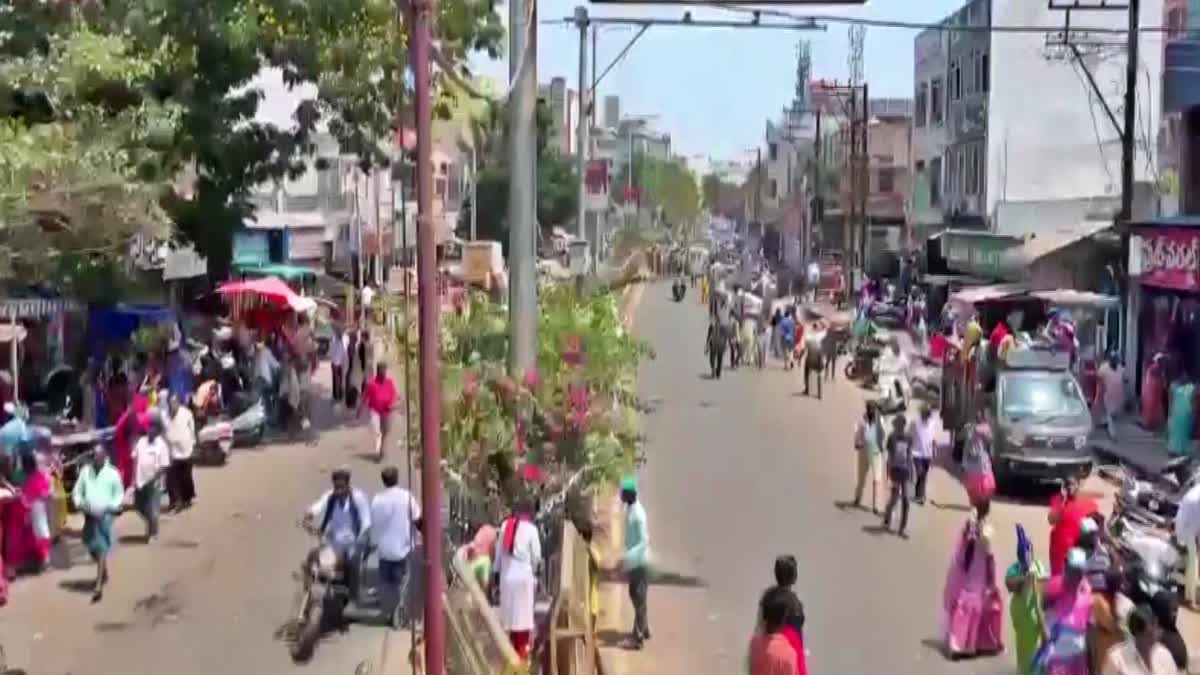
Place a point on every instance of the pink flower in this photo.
(504, 387)
(470, 385)
(532, 379)
(532, 473)
(573, 351)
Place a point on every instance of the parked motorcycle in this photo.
(244, 424)
(862, 364)
(324, 595)
(1153, 560)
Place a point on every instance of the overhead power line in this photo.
(917, 25)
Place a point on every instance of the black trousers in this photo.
(339, 382)
(716, 358)
(811, 367)
(899, 480)
(922, 467)
(639, 588)
(181, 488)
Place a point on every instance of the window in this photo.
(887, 180)
(935, 181)
(955, 81)
(960, 157)
(772, 151)
(919, 105)
(1175, 20)
(971, 152)
(772, 189)
(936, 110)
(985, 74)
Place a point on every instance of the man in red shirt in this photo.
(1067, 511)
(380, 396)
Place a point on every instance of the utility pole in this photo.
(592, 90)
(818, 209)
(1127, 138)
(522, 193)
(865, 177)
(581, 126)
(757, 182)
(848, 211)
(474, 192)
(428, 308)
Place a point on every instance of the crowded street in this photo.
(746, 468)
(215, 591)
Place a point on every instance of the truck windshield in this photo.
(1040, 395)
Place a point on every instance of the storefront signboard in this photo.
(1167, 258)
(981, 254)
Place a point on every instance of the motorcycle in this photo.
(862, 364)
(324, 596)
(894, 393)
(1151, 556)
(246, 425)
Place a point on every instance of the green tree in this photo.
(77, 179)
(666, 185)
(351, 50)
(557, 188)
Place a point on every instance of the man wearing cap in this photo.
(636, 558)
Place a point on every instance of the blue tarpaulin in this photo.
(116, 323)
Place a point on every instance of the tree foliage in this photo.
(77, 179)
(206, 55)
(721, 197)
(557, 186)
(666, 185)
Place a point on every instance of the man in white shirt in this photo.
(814, 355)
(151, 457)
(395, 519)
(338, 358)
(181, 439)
(1187, 530)
(921, 434)
(266, 366)
(342, 516)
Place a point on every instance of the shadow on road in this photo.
(613, 639)
(81, 586)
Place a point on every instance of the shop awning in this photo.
(1069, 298)
(35, 308)
(1040, 245)
(977, 294)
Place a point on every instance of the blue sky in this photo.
(715, 88)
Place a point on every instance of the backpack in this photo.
(354, 515)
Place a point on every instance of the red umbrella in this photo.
(268, 288)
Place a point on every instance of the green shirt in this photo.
(98, 492)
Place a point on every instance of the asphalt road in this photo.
(211, 595)
(745, 468)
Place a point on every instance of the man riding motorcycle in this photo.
(342, 516)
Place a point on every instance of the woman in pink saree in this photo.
(971, 600)
(1068, 598)
(26, 522)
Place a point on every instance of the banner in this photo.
(1167, 258)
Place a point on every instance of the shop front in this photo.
(1164, 295)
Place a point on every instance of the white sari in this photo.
(518, 578)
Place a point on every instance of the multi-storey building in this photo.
(1007, 132)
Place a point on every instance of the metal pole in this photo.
(1128, 133)
(815, 218)
(522, 199)
(592, 90)
(581, 126)
(474, 192)
(849, 209)
(378, 229)
(359, 278)
(428, 307)
(865, 177)
(758, 169)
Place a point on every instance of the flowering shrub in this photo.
(576, 412)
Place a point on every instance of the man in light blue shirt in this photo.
(98, 494)
(636, 558)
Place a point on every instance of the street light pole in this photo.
(581, 126)
(522, 199)
(474, 192)
(428, 307)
